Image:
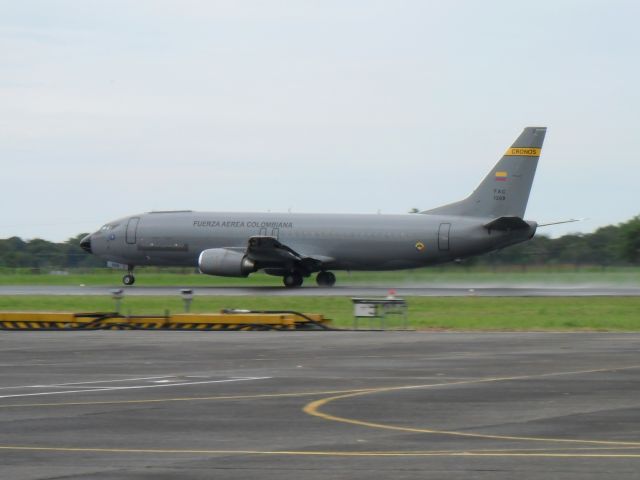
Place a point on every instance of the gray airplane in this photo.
(294, 246)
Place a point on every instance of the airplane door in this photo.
(275, 232)
(263, 232)
(443, 236)
(132, 228)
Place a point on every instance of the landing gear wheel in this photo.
(326, 279)
(292, 280)
(128, 279)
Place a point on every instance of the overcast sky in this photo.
(113, 108)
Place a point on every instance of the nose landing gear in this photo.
(129, 279)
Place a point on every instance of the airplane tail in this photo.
(504, 192)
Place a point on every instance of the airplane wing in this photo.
(270, 251)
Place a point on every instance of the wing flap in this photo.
(270, 251)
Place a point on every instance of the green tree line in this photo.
(613, 245)
(42, 254)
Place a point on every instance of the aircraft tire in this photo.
(292, 280)
(326, 279)
(128, 279)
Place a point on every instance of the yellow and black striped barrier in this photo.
(226, 320)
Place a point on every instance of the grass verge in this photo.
(458, 313)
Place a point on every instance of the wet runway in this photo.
(316, 405)
(343, 291)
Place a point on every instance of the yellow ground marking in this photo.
(313, 409)
(186, 399)
(433, 453)
(359, 391)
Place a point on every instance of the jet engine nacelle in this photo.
(225, 263)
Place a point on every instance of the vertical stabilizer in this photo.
(505, 190)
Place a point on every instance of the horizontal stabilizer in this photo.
(561, 222)
(506, 223)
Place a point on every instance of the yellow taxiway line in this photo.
(601, 449)
(434, 453)
(313, 409)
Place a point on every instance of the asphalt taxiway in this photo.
(342, 291)
(357, 405)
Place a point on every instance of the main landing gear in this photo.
(326, 279)
(295, 279)
(292, 279)
(129, 279)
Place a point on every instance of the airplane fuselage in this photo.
(296, 245)
(347, 241)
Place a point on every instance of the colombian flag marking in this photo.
(501, 176)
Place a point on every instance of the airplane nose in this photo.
(85, 244)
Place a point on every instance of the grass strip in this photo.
(456, 313)
(435, 276)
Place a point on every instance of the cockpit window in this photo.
(108, 226)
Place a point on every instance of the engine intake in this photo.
(225, 263)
